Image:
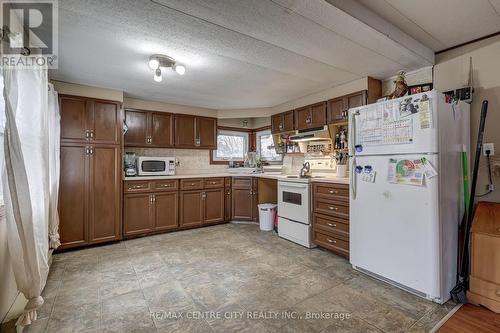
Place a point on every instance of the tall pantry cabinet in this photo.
(90, 179)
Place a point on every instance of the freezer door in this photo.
(423, 140)
(394, 228)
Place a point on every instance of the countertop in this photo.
(321, 178)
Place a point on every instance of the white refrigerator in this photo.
(404, 225)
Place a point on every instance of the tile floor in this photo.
(226, 278)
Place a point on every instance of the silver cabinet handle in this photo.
(331, 225)
(331, 241)
(193, 184)
(135, 187)
(498, 292)
(87, 151)
(91, 134)
(154, 198)
(213, 183)
(87, 134)
(333, 192)
(150, 199)
(333, 208)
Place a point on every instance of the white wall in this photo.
(87, 91)
(134, 103)
(452, 71)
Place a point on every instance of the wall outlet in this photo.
(490, 147)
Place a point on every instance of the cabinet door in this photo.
(255, 199)
(165, 211)
(288, 121)
(355, 100)
(105, 194)
(277, 123)
(74, 119)
(138, 214)
(303, 118)
(105, 122)
(242, 204)
(214, 206)
(137, 124)
(184, 130)
(318, 115)
(73, 199)
(227, 204)
(336, 110)
(191, 208)
(161, 131)
(206, 129)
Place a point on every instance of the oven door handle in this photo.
(294, 185)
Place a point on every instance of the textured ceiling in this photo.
(238, 53)
(443, 23)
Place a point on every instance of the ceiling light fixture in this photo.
(159, 61)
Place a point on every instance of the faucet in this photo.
(305, 172)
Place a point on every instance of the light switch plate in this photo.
(490, 147)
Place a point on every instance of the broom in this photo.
(458, 293)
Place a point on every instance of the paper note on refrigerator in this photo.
(406, 172)
(425, 107)
(381, 124)
(428, 168)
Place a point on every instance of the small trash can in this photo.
(267, 212)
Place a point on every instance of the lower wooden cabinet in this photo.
(331, 217)
(213, 210)
(89, 194)
(245, 199)
(191, 208)
(165, 211)
(137, 209)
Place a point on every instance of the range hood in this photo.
(312, 134)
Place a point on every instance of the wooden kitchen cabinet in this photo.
(149, 129)
(283, 122)
(331, 217)
(206, 133)
(191, 208)
(138, 214)
(89, 194)
(104, 193)
(338, 107)
(227, 199)
(310, 116)
(244, 199)
(73, 196)
(195, 132)
(213, 210)
(89, 120)
(166, 211)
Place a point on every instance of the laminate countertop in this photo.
(321, 178)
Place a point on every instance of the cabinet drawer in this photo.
(333, 225)
(192, 184)
(331, 207)
(166, 185)
(331, 242)
(485, 288)
(242, 182)
(213, 182)
(135, 186)
(331, 191)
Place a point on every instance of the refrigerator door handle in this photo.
(352, 133)
(353, 178)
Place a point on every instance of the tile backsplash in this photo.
(190, 160)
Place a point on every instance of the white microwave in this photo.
(156, 166)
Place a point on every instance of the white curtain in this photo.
(54, 165)
(26, 181)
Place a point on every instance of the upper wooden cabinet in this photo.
(149, 129)
(338, 107)
(282, 122)
(195, 132)
(310, 116)
(89, 120)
